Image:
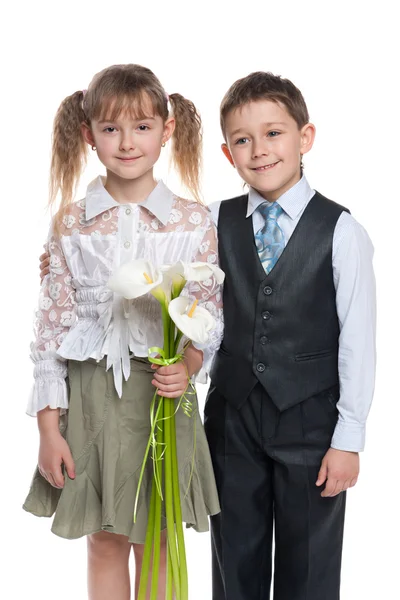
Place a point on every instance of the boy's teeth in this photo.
(265, 167)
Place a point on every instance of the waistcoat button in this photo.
(267, 290)
(266, 315)
(263, 340)
(260, 367)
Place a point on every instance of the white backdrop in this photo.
(342, 56)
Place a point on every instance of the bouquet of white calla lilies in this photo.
(193, 321)
(180, 316)
(135, 278)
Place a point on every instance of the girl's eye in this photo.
(240, 141)
(143, 127)
(273, 134)
(109, 129)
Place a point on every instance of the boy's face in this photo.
(265, 146)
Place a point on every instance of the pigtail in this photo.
(69, 153)
(187, 143)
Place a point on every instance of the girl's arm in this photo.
(172, 381)
(209, 296)
(54, 317)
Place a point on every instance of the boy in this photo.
(293, 380)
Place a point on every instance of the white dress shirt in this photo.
(354, 282)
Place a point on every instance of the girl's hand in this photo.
(53, 452)
(172, 381)
(44, 265)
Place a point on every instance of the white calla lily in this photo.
(195, 322)
(199, 271)
(134, 279)
(195, 271)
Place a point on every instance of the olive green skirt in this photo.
(108, 436)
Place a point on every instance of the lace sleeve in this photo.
(209, 295)
(54, 317)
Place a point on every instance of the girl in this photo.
(93, 383)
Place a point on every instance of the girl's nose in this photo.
(127, 143)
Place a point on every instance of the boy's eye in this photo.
(241, 141)
(273, 133)
(109, 129)
(143, 127)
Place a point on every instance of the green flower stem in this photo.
(158, 509)
(184, 584)
(169, 586)
(172, 349)
(148, 546)
(177, 340)
(169, 499)
(178, 514)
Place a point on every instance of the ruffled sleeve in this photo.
(54, 317)
(209, 296)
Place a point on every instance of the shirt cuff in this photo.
(349, 437)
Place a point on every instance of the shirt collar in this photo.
(293, 201)
(158, 202)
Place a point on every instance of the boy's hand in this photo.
(340, 470)
(53, 452)
(44, 265)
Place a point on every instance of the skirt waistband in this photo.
(138, 363)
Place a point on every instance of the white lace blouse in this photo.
(80, 318)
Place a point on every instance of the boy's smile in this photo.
(265, 146)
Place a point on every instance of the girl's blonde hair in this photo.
(120, 88)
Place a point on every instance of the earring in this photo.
(301, 163)
(163, 145)
(94, 148)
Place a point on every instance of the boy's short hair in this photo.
(264, 86)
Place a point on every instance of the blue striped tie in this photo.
(270, 240)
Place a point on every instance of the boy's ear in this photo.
(87, 134)
(307, 138)
(227, 153)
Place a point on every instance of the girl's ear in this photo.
(87, 134)
(169, 128)
(227, 153)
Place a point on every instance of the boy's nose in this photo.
(259, 149)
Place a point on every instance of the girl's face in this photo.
(129, 147)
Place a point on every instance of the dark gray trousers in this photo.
(266, 464)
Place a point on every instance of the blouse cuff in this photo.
(208, 355)
(48, 392)
(50, 388)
